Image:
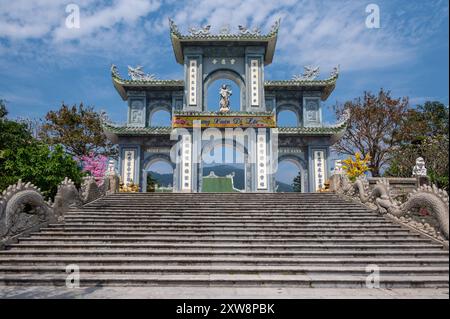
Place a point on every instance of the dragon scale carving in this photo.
(433, 199)
(22, 206)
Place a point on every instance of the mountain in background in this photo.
(162, 179)
(220, 170)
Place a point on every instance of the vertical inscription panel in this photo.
(186, 163)
(254, 88)
(261, 161)
(319, 170)
(192, 91)
(128, 168)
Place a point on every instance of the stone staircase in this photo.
(226, 239)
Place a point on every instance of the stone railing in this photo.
(425, 208)
(23, 208)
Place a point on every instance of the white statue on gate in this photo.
(224, 103)
(419, 169)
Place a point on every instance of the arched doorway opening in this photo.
(290, 176)
(158, 175)
(223, 168)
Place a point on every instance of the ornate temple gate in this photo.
(242, 58)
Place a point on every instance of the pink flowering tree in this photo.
(95, 165)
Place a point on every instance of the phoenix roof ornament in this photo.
(309, 74)
(173, 27)
(275, 27)
(246, 31)
(335, 71)
(137, 74)
(200, 31)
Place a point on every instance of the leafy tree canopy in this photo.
(40, 165)
(373, 128)
(78, 129)
(297, 183)
(425, 134)
(24, 157)
(12, 134)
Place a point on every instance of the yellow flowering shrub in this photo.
(357, 167)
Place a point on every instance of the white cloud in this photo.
(312, 32)
(125, 12)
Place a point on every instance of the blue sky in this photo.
(43, 63)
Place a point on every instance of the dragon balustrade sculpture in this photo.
(23, 207)
(434, 200)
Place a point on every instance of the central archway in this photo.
(222, 158)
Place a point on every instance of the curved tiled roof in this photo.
(122, 85)
(321, 130)
(125, 130)
(268, 40)
(326, 85)
(132, 130)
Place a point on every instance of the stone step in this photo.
(179, 246)
(224, 260)
(194, 218)
(224, 269)
(397, 251)
(237, 234)
(268, 280)
(224, 211)
(146, 214)
(225, 225)
(42, 239)
(227, 204)
(203, 228)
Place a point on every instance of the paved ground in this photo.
(218, 293)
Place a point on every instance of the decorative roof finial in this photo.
(173, 27)
(225, 30)
(309, 74)
(114, 70)
(275, 27)
(137, 74)
(200, 31)
(245, 31)
(335, 72)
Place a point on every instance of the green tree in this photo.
(429, 119)
(297, 183)
(425, 134)
(373, 127)
(24, 157)
(151, 183)
(78, 129)
(12, 134)
(39, 164)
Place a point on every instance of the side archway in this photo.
(159, 169)
(301, 169)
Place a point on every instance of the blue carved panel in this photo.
(137, 112)
(311, 112)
